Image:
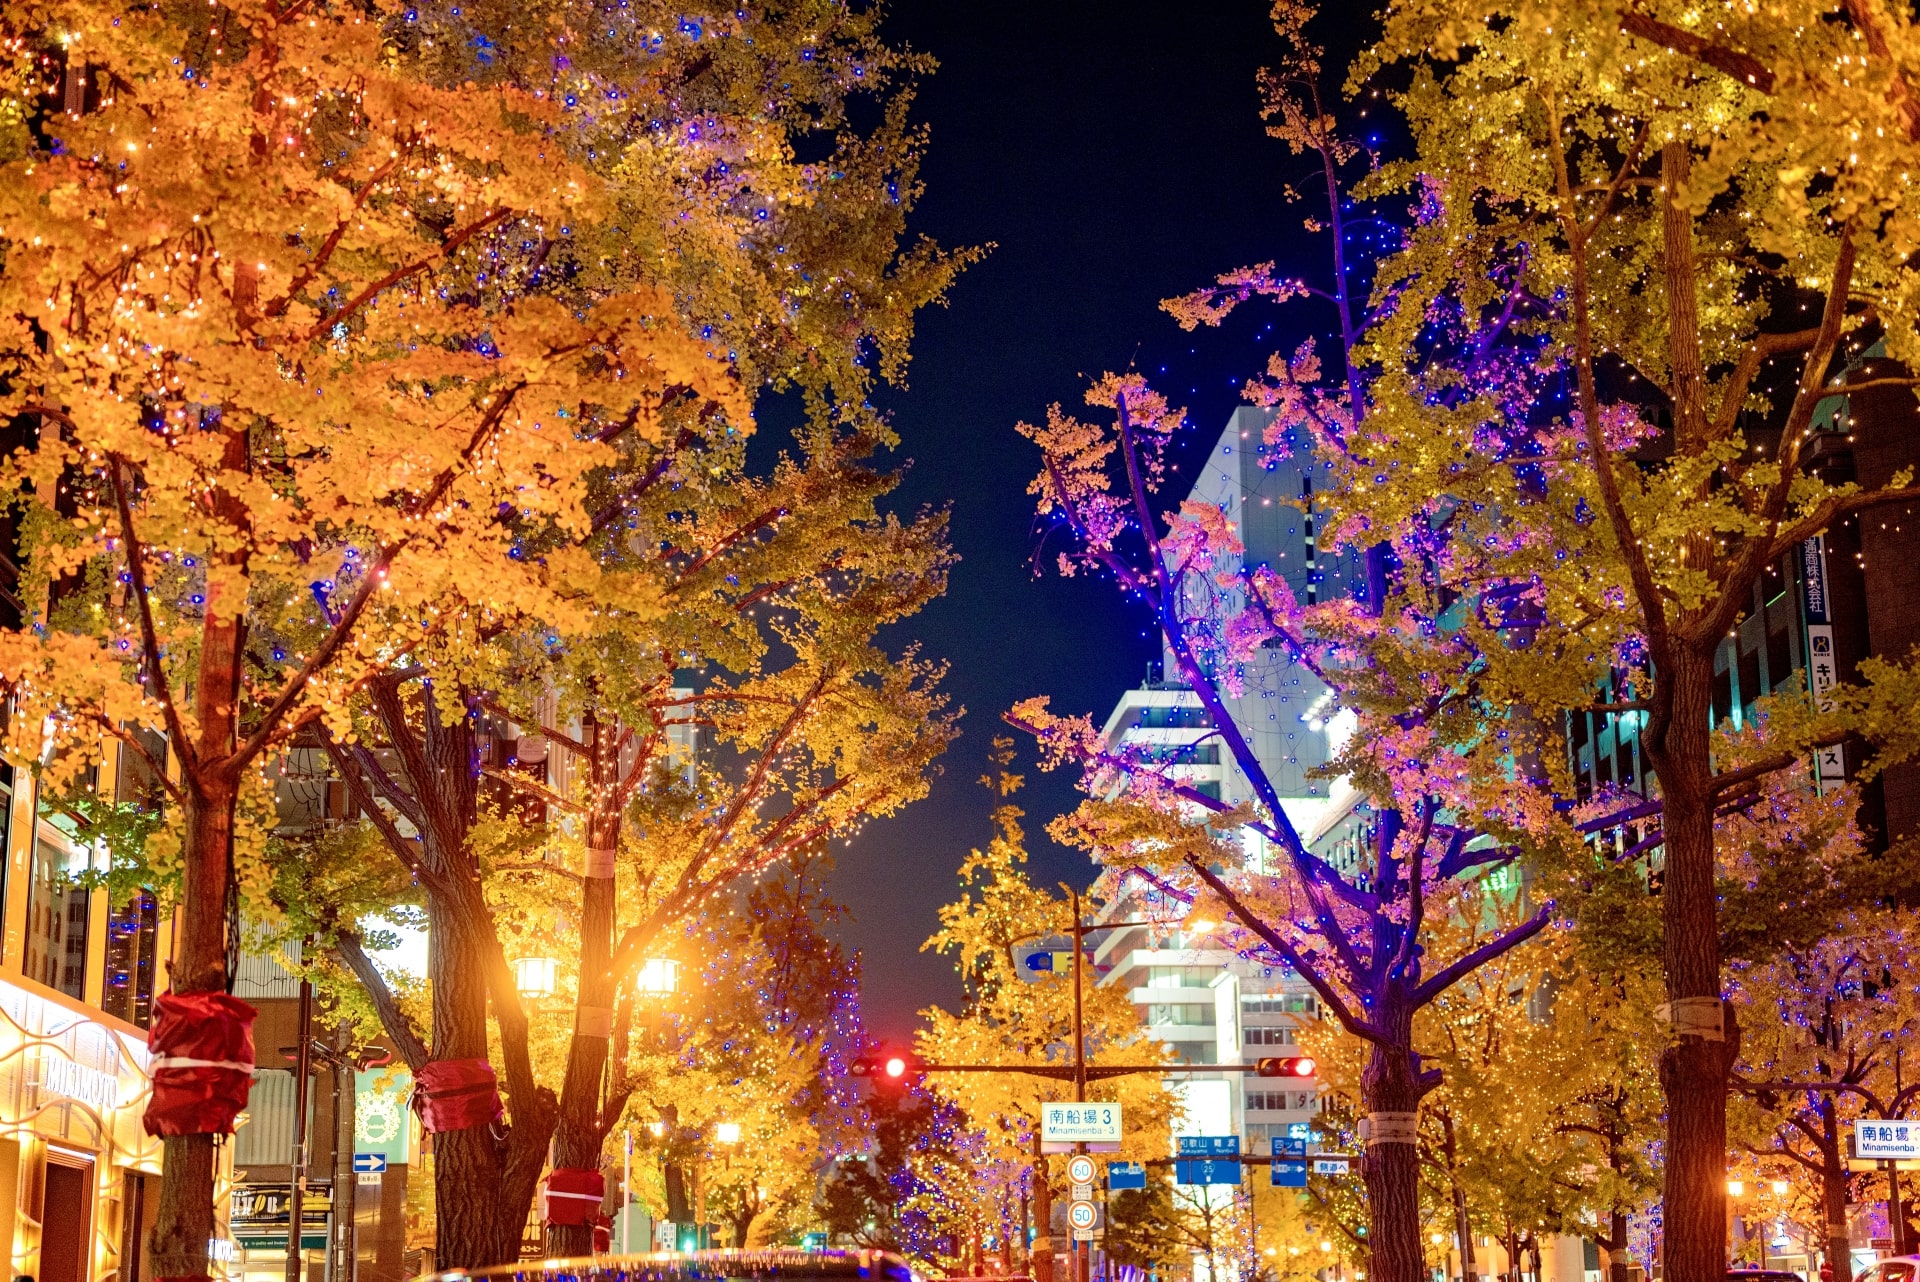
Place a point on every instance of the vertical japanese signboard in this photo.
(1823, 666)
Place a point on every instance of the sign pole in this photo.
(1896, 1222)
(1083, 1250)
(302, 1067)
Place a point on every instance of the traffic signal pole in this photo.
(1082, 1250)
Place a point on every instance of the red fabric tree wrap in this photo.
(573, 1196)
(456, 1095)
(202, 1046)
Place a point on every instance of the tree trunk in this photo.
(1390, 1085)
(1833, 1196)
(1462, 1226)
(580, 1135)
(1694, 1068)
(1042, 1260)
(1619, 1264)
(472, 1227)
(184, 1221)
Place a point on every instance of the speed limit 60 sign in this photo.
(1080, 1169)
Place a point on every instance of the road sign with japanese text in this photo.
(1208, 1159)
(1886, 1141)
(1095, 1125)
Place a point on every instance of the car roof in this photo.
(774, 1265)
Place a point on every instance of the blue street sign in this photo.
(1126, 1175)
(1300, 1131)
(1209, 1146)
(1289, 1163)
(369, 1163)
(1208, 1159)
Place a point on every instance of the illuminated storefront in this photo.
(78, 1174)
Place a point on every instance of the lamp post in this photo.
(658, 979)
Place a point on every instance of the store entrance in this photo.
(66, 1222)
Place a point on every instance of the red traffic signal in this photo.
(889, 1069)
(1285, 1066)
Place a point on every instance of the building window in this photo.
(1180, 976)
(1198, 1053)
(1280, 1004)
(1179, 1014)
(133, 936)
(1269, 1036)
(56, 952)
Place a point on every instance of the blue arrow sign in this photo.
(369, 1163)
(1126, 1175)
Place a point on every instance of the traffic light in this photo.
(889, 1068)
(1285, 1066)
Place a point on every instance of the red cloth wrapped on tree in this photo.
(202, 1046)
(456, 1095)
(573, 1196)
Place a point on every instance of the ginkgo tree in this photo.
(1566, 428)
(1007, 1019)
(1677, 269)
(281, 394)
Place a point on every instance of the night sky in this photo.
(1115, 155)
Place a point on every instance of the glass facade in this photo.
(133, 940)
(56, 941)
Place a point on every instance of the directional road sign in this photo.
(1208, 1159)
(1289, 1163)
(1126, 1175)
(1329, 1166)
(369, 1163)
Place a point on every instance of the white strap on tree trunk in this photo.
(1703, 1017)
(184, 1061)
(600, 862)
(1392, 1128)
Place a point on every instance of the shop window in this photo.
(133, 937)
(56, 953)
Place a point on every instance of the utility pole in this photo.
(342, 1243)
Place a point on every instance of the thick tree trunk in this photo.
(1390, 1090)
(471, 1230)
(1694, 1068)
(580, 1135)
(184, 1222)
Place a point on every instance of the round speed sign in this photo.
(1080, 1170)
(1081, 1215)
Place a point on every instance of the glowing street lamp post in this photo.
(658, 978)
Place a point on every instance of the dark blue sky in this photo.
(1115, 155)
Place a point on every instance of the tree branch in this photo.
(1742, 66)
(348, 947)
(149, 635)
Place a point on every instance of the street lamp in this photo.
(659, 977)
(1736, 1189)
(536, 977)
(726, 1132)
(1779, 1188)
